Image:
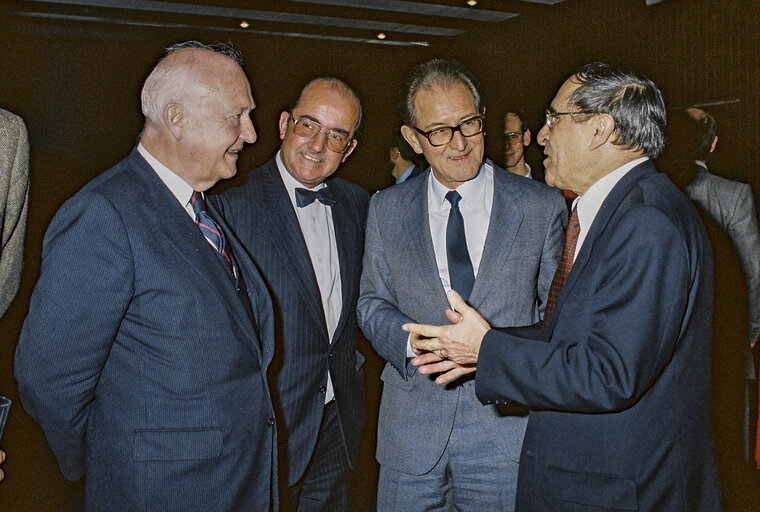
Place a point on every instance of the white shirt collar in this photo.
(178, 187)
(589, 203)
(471, 189)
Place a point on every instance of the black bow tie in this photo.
(304, 196)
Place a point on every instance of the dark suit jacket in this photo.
(621, 386)
(262, 216)
(139, 359)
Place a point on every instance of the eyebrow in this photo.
(435, 126)
(339, 130)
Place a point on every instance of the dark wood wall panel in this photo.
(77, 86)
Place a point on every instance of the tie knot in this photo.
(304, 196)
(198, 202)
(453, 197)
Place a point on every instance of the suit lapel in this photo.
(346, 234)
(285, 232)
(172, 222)
(608, 209)
(415, 234)
(506, 218)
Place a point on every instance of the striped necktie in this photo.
(210, 228)
(565, 264)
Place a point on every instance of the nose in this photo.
(458, 141)
(543, 135)
(319, 142)
(247, 131)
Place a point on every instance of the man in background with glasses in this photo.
(305, 231)
(518, 137)
(464, 225)
(618, 374)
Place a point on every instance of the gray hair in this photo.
(338, 85)
(633, 101)
(432, 73)
(168, 82)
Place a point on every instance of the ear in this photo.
(350, 149)
(174, 120)
(284, 118)
(526, 137)
(411, 138)
(603, 126)
(715, 143)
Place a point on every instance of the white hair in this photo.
(168, 81)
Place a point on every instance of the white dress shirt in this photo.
(589, 203)
(530, 171)
(319, 233)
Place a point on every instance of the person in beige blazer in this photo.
(14, 202)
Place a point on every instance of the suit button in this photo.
(270, 422)
(330, 355)
(323, 390)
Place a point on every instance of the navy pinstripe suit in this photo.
(262, 216)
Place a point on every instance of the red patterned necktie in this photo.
(565, 264)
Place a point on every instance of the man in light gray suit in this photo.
(730, 204)
(14, 203)
(470, 226)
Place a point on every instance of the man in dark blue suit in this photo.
(144, 353)
(305, 231)
(619, 373)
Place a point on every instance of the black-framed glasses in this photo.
(513, 137)
(553, 117)
(307, 128)
(442, 135)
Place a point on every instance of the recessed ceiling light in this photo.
(381, 35)
(472, 3)
(244, 24)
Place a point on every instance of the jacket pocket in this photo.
(177, 444)
(391, 377)
(610, 492)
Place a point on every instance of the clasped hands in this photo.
(451, 350)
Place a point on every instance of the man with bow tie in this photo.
(305, 231)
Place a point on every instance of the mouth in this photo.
(459, 158)
(311, 158)
(233, 152)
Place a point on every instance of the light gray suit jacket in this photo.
(730, 204)
(14, 202)
(400, 284)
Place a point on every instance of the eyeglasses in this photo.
(306, 128)
(513, 137)
(443, 135)
(552, 118)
